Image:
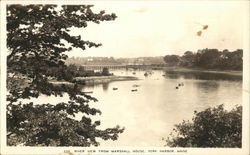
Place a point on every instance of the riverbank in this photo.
(104, 79)
(95, 80)
(190, 70)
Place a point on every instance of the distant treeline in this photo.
(208, 59)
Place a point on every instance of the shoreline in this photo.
(95, 80)
(190, 70)
(104, 79)
(111, 78)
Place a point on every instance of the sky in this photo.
(146, 28)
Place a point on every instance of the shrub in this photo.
(213, 127)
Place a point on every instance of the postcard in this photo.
(125, 77)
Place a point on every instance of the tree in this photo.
(105, 71)
(224, 61)
(213, 127)
(81, 71)
(35, 40)
(172, 60)
(237, 59)
(208, 58)
(188, 59)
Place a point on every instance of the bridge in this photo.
(115, 67)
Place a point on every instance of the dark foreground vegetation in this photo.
(34, 41)
(213, 127)
(208, 59)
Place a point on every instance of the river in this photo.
(149, 114)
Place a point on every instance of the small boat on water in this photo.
(181, 84)
(134, 73)
(146, 74)
(150, 72)
(115, 88)
(134, 90)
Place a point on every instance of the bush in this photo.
(213, 127)
(105, 71)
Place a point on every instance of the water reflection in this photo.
(201, 76)
(208, 86)
(104, 86)
(159, 102)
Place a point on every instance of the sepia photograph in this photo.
(124, 77)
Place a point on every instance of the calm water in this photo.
(150, 113)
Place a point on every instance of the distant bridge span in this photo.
(114, 67)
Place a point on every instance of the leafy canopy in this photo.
(208, 59)
(36, 36)
(213, 127)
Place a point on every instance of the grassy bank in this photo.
(104, 79)
(95, 80)
(190, 70)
